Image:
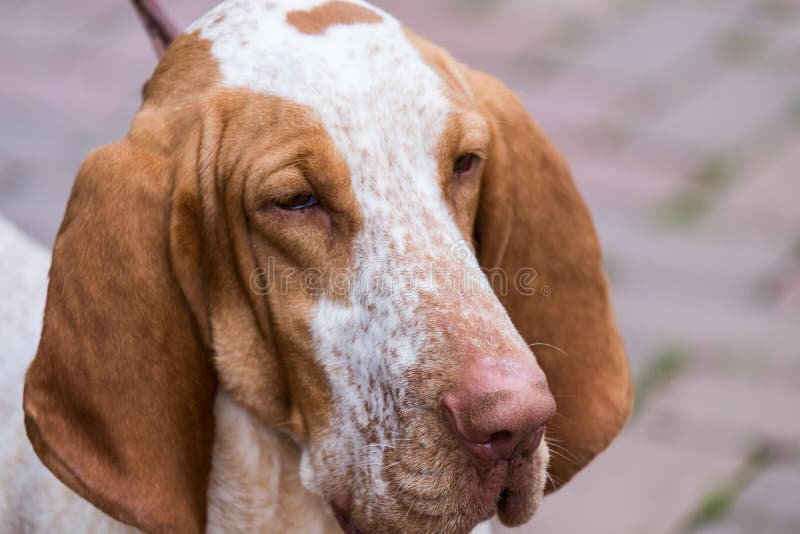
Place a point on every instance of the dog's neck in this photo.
(255, 479)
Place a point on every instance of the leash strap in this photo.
(159, 28)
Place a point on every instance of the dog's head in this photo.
(366, 244)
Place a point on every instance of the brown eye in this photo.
(465, 164)
(299, 201)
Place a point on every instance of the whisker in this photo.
(560, 456)
(554, 480)
(559, 349)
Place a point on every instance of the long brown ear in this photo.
(118, 401)
(532, 222)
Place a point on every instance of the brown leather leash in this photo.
(159, 27)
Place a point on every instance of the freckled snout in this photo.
(499, 408)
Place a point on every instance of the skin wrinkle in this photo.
(325, 397)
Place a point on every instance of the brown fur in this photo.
(318, 20)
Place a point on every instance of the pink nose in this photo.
(500, 409)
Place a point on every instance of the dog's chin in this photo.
(511, 490)
(524, 489)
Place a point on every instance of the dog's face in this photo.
(332, 192)
(361, 201)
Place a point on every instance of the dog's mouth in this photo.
(343, 517)
(512, 495)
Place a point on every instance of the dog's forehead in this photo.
(349, 62)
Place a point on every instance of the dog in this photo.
(330, 279)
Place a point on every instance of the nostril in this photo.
(501, 437)
(505, 444)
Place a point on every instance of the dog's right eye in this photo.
(465, 164)
(299, 201)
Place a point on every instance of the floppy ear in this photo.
(119, 399)
(532, 222)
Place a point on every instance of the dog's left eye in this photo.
(299, 201)
(465, 163)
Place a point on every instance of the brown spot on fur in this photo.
(319, 19)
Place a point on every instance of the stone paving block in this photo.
(764, 203)
(672, 267)
(54, 20)
(637, 486)
(790, 299)
(487, 38)
(684, 415)
(736, 523)
(578, 98)
(631, 184)
(705, 322)
(761, 410)
(768, 505)
(656, 422)
(729, 112)
(664, 33)
(774, 492)
(780, 368)
(664, 278)
(788, 22)
(643, 105)
(728, 527)
(641, 348)
(504, 27)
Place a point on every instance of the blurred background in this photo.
(681, 121)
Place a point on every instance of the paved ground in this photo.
(681, 120)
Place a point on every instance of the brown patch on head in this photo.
(187, 70)
(318, 20)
